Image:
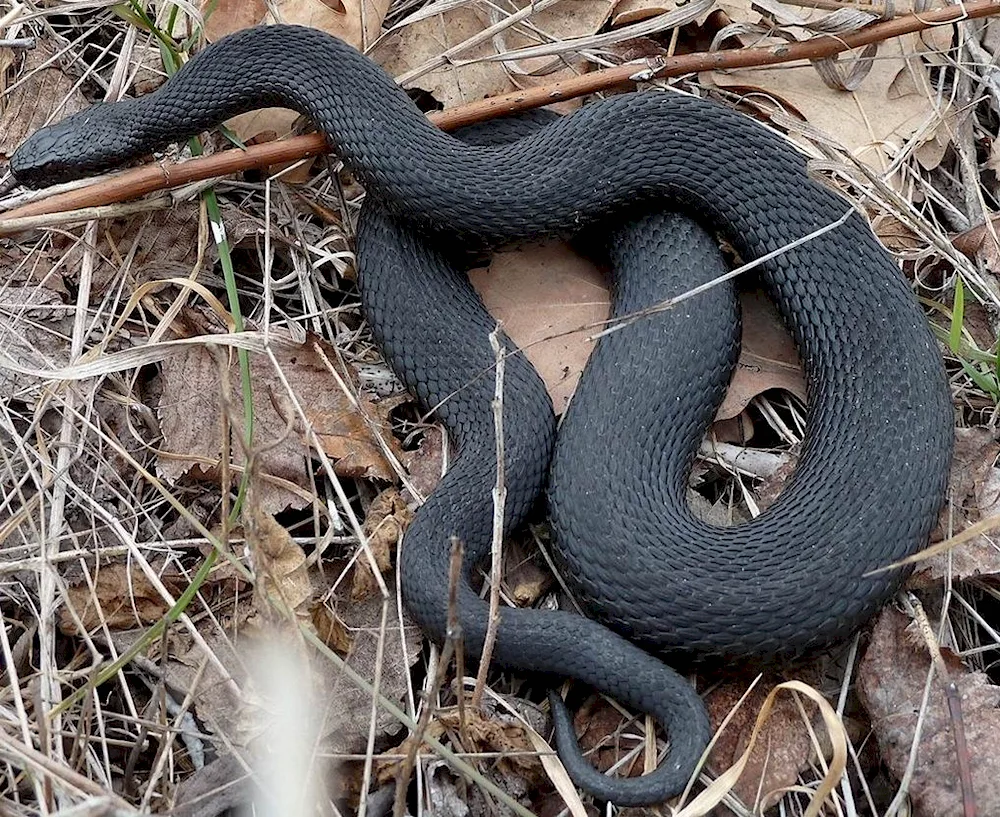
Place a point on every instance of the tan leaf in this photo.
(544, 290)
(279, 564)
(523, 579)
(420, 44)
(425, 465)
(891, 680)
(783, 748)
(491, 734)
(737, 430)
(123, 598)
(398, 646)
(331, 629)
(896, 236)
(635, 11)
(190, 411)
(387, 519)
(768, 359)
(975, 495)
(35, 327)
(156, 245)
(892, 104)
(224, 17)
(540, 291)
(487, 729)
(44, 95)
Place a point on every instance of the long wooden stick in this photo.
(165, 175)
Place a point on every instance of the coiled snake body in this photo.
(872, 473)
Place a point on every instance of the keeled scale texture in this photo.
(872, 475)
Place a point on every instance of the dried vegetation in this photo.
(190, 620)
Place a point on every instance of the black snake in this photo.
(873, 469)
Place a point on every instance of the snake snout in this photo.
(71, 149)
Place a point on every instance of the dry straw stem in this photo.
(159, 176)
(952, 696)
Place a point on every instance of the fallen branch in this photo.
(160, 176)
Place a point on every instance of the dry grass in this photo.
(109, 703)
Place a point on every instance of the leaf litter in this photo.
(104, 552)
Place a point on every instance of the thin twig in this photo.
(499, 505)
(954, 699)
(452, 645)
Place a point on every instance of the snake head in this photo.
(83, 144)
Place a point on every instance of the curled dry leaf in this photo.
(975, 495)
(122, 598)
(783, 748)
(897, 237)
(413, 52)
(387, 518)
(496, 734)
(191, 413)
(279, 565)
(45, 94)
(331, 629)
(891, 680)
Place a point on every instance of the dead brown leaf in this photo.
(191, 415)
(896, 236)
(496, 734)
(524, 581)
(975, 494)
(398, 646)
(45, 94)
(891, 106)
(635, 11)
(153, 246)
(783, 748)
(545, 290)
(387, 518)
(768, 359)
(425, 465)
(279, 564)
(489, 730)
(597, 724)
(331, 629)
(122, 598)
(891, 679)
(35, 327)
(458, 81)
(737, 430)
